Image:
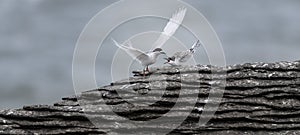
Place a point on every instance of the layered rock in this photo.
(257, 98)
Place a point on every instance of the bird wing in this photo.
(133, 52)
(170, 28)
(196, 44)
(183, 56)
(129, 43)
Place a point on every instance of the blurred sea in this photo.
(38, 37)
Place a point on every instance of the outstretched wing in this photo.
(128, 42)
(195, 45)
(170, 28)
(183, 56)
(133, 52)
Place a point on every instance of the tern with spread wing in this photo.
(180, 57)
(149, 58)
(145, 58)
(171, 27)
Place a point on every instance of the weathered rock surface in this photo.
(257, 98)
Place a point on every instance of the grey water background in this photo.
(38, 37)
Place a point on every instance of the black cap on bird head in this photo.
(168, 59)
(157, 50)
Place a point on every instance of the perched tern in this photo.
(149, 58)
(180, 57)
(145, 58)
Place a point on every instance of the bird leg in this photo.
(144, 72)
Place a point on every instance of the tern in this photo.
(149, 58)
(145, 58)
(180, 57)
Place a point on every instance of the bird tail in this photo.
(195, 45)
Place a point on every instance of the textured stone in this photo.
(258, 98)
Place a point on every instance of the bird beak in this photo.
(167, 60)
(163, 53)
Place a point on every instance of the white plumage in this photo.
(145, 58)
(149, 58)
(180, 57)
(170, 28)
